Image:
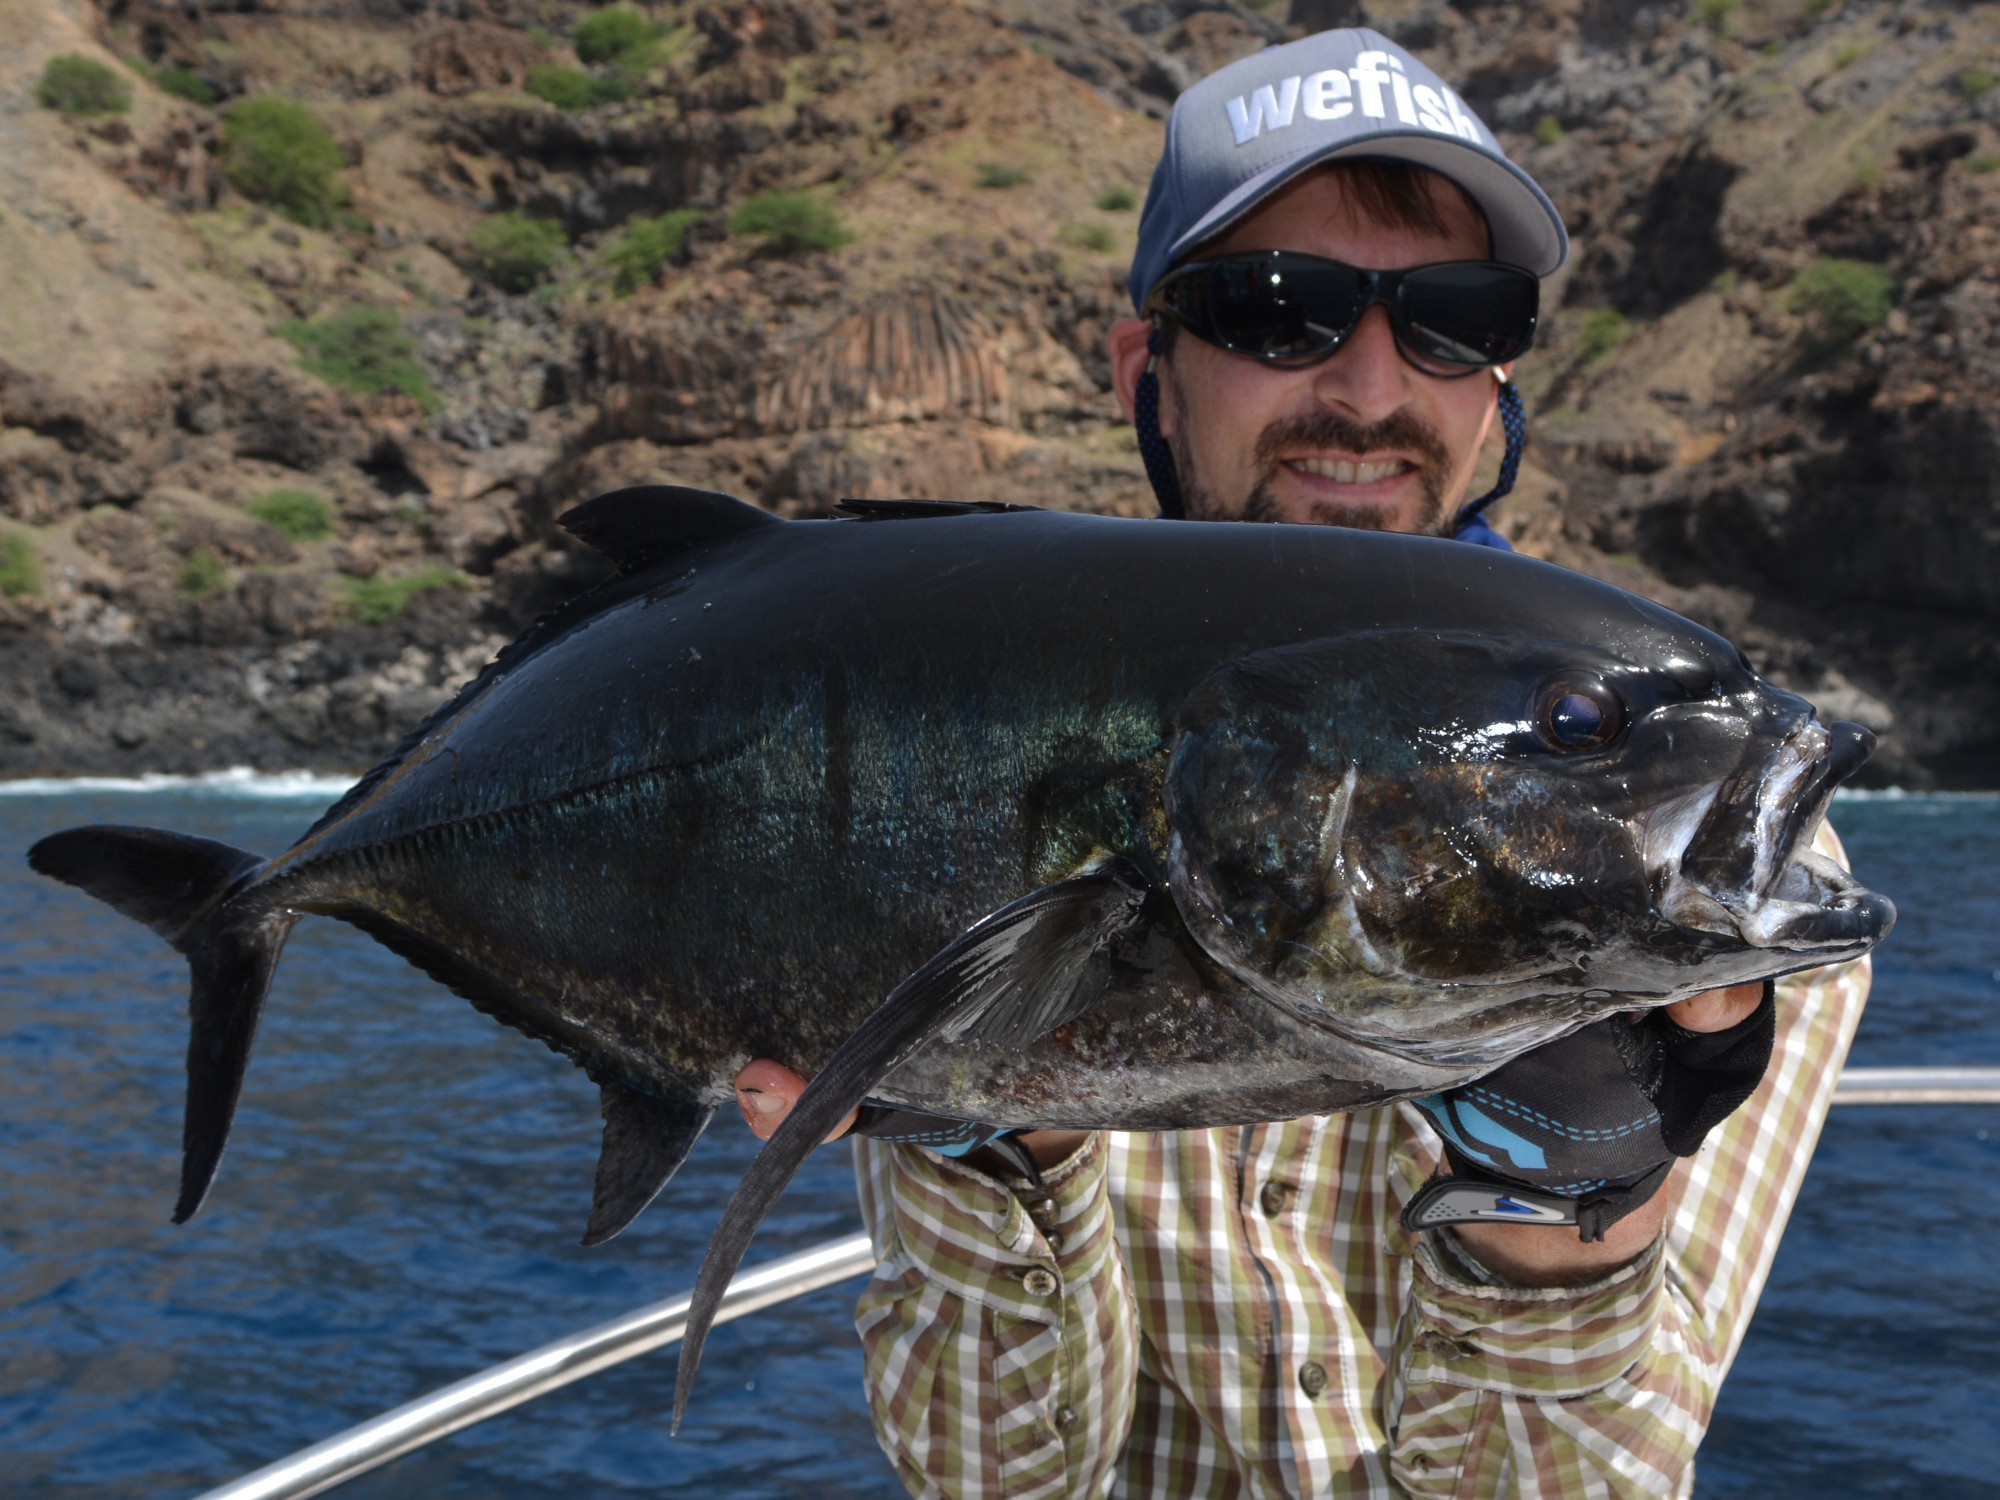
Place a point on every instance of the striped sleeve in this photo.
(1606, 1389)
(1000, 1343)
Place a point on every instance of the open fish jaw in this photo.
(1735, 857)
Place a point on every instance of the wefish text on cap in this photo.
(1246, 130)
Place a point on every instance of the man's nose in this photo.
(1366, 377)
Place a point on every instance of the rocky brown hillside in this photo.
(799, 249)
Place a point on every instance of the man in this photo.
(1349, 1304)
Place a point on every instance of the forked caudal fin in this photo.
(177, 885)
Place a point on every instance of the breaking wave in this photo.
(237, 781)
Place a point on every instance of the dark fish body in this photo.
(1309, 835)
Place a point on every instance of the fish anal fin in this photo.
(646, 1138)
(643, 523)
(1028, 966)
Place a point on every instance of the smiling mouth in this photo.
(1341, 471)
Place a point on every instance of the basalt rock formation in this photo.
(1728, 414)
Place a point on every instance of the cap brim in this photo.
(1527, 231)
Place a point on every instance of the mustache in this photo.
(1400, 432)
(1328, 429)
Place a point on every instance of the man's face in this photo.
(1361, 439)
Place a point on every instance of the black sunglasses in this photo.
(1289, 309)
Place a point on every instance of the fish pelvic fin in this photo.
(179, 886)
(1009, 978)
(646, 1138)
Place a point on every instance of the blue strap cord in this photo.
(1470, 525)
(1159, 459)
(1514, 422)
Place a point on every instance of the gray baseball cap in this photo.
(1246, 130)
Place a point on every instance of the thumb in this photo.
(766, 1092)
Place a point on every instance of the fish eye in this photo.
(1580, 716)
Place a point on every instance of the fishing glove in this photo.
(947, 1137)
(1584, 1130)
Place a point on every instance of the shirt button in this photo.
(1039, 1282)
(1055, 1242)
(1272, 1199)
(1312, 1377)
(1042, 1208)
(1065, 1416)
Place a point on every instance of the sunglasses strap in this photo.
(1514, 422)
(1153, 449)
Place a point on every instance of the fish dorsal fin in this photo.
(643, 523)
(918, 510)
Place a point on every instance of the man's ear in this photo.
(1127, 345)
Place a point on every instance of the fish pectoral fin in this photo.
(1028, 964)
(643, 523)
(1038, 961)
(646, 1138)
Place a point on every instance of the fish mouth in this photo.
(1734, 859)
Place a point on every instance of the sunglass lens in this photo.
(1468, 315)
(1280, 309)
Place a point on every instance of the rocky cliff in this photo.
(1766, 396)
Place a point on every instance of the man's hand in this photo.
(1553, 1255)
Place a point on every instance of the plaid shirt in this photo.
(1236, 1312)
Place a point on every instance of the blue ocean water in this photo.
(402, 1197)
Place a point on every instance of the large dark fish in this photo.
(1039, 820)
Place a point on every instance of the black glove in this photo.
(947, 1137)
(1584, 1130)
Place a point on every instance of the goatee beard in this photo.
(1400, 432)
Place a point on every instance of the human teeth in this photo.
(1342, 472)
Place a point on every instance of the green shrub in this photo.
(1117, 199)
(299, 514)
(1849, 54)
(1842, 299)
(1972, 82)
(363, 349)
(791, 222)
(1981, 162)
(644, 245)
(377, 600)
(183, 84)
(1096, 238)
(277, 151)
(573, 89)
(516, 251)
(202, 574)
(1604, 331)
(998, 174)
(20, 569)
(1717, 15)
(82, 86)
(1548, 130)
(617, 35)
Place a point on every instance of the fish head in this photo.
(1455, 846)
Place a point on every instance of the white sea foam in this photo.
(237, 781)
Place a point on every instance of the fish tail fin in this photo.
(179, 885)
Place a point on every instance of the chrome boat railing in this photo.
(443, 1412)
